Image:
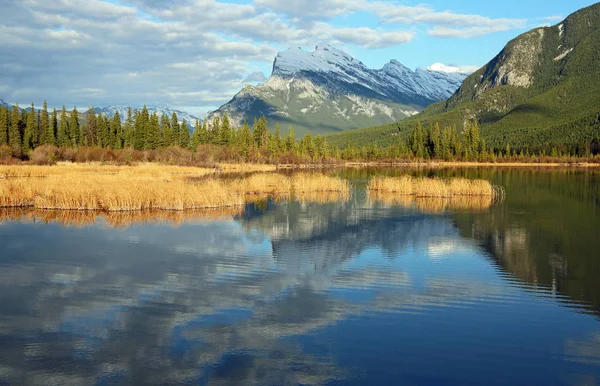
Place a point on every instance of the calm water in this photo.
(355, 292)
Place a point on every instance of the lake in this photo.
(352, 292)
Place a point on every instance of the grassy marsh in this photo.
(145, 187)
(434, 187)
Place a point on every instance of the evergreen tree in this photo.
(320, 146)
(278, 145)
(307, 146)
(90, 129)
(196, 134)
(74, 131)
(116, 130)
(436, 139)
(184, 135)
(417, 141)
(225, 133)
(141, 128)
(128, 129)
(101, 136)
(14, 134)
(290, 142)
(456, 143)
(245, 138)
(214, 134)
(165, 131)
(153, 137)
(261, 132)
(52, 128)
(175, 129)
(204, 134)
(62, 134)
(30, 130)
(46, 137)
(3, 126)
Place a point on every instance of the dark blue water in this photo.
(357, 292)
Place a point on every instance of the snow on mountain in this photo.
(328, 90)
(159, 110)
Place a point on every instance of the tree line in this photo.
(23, 130)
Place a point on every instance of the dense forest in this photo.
(23, 132)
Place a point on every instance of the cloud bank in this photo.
(188, 53)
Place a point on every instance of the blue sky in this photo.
(196, 54)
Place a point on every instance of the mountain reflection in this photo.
(154, 305)
(245, 298)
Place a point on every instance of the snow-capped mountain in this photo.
(159, 110)
(328, 90)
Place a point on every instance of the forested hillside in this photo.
(540, 93)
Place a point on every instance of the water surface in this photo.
(355, 292)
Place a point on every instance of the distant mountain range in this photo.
(327, 91)
(112, 109)
(541, 91)
(159, 110)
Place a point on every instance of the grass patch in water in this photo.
(146, 187)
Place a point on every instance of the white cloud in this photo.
(187, 52)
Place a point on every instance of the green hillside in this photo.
(542, 91)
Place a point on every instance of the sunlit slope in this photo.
(543, 88)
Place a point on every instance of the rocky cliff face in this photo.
(533, 62)
(328, 90)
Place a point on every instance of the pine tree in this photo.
(44, 129)
(437, 141)
(195, 140)
(15, 139)
(320, 146)
(417, 141)
(175, 129)
(290, 142)
(52, 127)
(141, 128)
(116, 130)
(62, 132)
(128, 129)
(153, 136)
(3, 126)
(184, 135)
(456, 143)
(245, 138)
(165, 131)
(307, 146)
(74, 131)
(225, 133)
(30, 130)
(90, 130)
(277, 138)
(204, 133)
(101, 136)
(261, 132)
(214, 134)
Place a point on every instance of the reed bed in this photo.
(146, 187)
(79, 169)
(435, 187)
(316, 182)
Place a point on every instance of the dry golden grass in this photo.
(434, 187)
(316, 182)
(145, 187)
(246, 168)
(79, 169)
